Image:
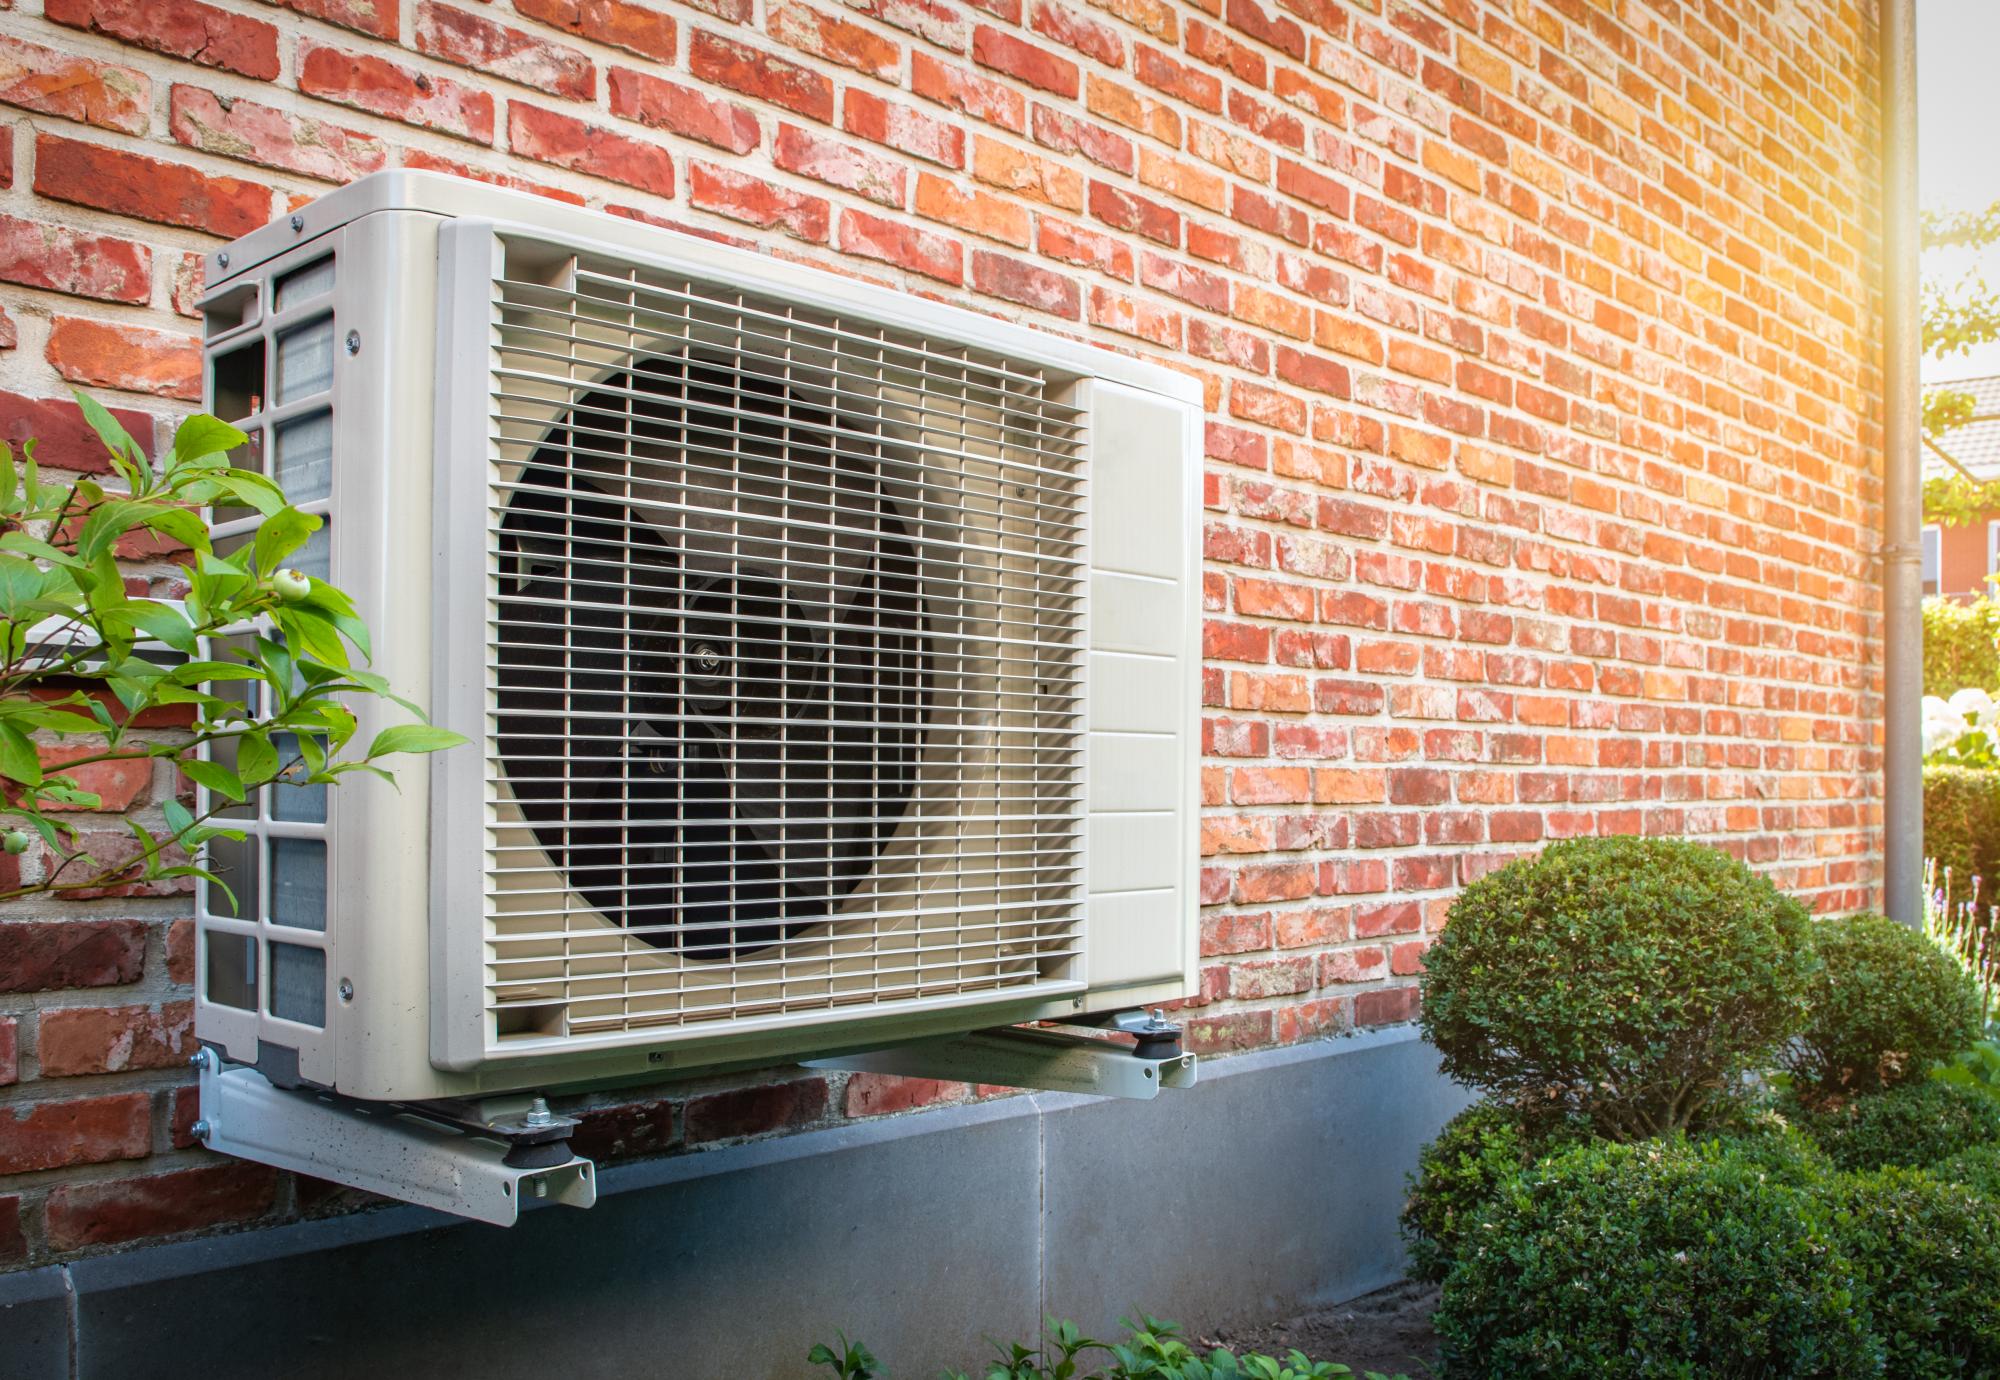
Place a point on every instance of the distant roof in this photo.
(1975, 446)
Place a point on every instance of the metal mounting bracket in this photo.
(1036, 1057)
(397, 1151)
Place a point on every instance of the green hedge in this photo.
(1960, 647)
(1629, 983)
(1666, 1260)
(1909, 1126)
(1887, 1004)
(1962, 822)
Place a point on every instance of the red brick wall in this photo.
(1538, 341)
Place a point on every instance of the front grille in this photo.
(784, 658)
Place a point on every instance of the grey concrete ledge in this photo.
(1270, 1186)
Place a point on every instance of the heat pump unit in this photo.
(829, 656)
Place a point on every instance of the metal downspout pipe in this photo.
(1902, 501)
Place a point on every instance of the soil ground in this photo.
(1387, 1331)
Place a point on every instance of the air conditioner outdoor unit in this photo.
(829, 656)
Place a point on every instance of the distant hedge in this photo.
(1962, 822)
(1961, 646)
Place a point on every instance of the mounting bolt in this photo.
(354, 342)
(538, 1114)
(298, 224)
(346, 989)
(198, 1058)
(200, 1130)
(222, 259)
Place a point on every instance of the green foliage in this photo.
(1458, 1173)
(1155, 1350)
(1664, 1259)
(1962, 822)
(1976, 1066)
(1630, 983)
(1952, 500)
(1927, 1258)
(74, 644)
(1909, 1126)
(1977, 1169)
(1886, 1005)
(1961, 646)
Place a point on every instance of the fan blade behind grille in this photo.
(713, 762)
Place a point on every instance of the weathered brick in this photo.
(474, 41)
(755, 1111)
(866, 174)
(712, 58)
(630, 1131)
(1030, 285)
(186, 29)
(567, 142)
(89, 1130)
(758, 201)
(369, 82)
(51, 955)
(262, 134)
(1038, 67)
(54, 82)
(905, 245)
(978, 96)
(683, 110)
(378, 18)
(827, 36)
(147, 188)
(111, 1039)
(137, 359)
(107, 1214)
(618, 23)
(880, 1094)
(39, 255)
(901, 128)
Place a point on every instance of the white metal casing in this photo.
(407, 936)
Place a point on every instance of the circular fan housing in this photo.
(712, 683)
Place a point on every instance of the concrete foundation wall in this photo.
(1271, 1186)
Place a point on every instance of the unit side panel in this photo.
(1145, 683)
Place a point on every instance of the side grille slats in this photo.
(784, 657)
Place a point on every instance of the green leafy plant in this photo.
(83, 662)
(1908, 1126)
(1670, 1258)
(1629, 983)
(1927, 1257)
(1458, 1173)
(847, 1360)
(1886, 1004)
(1977, 1066)
(1961, 642)
(1154, 1350)
(1962, 823)
(1977, 1169)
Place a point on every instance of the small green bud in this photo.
(15, 841)
(291, 585)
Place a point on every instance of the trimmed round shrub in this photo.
(1665, 1259)
(1977, 1169)
(1911, 1126)
(1478, 1150)
(1927, 1257)
(1886, 1005)
(1629, 982)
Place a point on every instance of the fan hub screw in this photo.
(707, 660)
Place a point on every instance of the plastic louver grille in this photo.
(785, 655)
